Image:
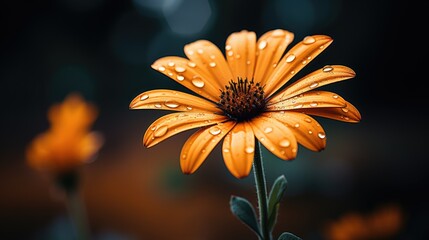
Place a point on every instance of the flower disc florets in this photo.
(242, 99)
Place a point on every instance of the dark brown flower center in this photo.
(242, 99)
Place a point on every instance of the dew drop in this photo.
(180, 69)
(190, 52)
(335, 96)
(307, 120)
(230, 53)
(268, 129)
(212, 56)
(313, 104)
(297, 106)
(310, 132)
(171, 104)
(189, 108)
(215, 131)
(144, 97)
(263, 44)
(321, 135)
(284, 143)
(345, 110)
(171, 64)
(290, 58)
(160, 131)
(296, 125)
(228, 47)
(161, 68)
(180, 77)
(314, 84)
(226, 150)
(304, 62)
(198, 82)
(212, 64)
(184, 156)
(192, 64)
(248, 62)
(309, 40)
(200, 51)
(157, 105)
(249, 149)
(327, 69)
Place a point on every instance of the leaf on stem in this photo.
(276, 194)
(288, 236)
(245, 212)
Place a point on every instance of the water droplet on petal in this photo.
(198, 82)
(321, 135)
(310, 132)
(157, 105)
(180, 69)
(345, 109)
(263, 44)
(327, 69)
(307, 120)
(313, 104)
(215, 131)
(212, 64)
(180, 77)
(298, 106)
(268, 129)
(296, 125)
(335, 96)
(161, 68)
(144, 97)
(184, 156)
(200, 51)
(290, 58)
(226, 150)
(284, 143)
(171, 104)
(160, 131)
(314, 84)
(250, 149)
(228, 47)
(192, 64)
(248, 62)
(309, 40)
(171, 64)
(230, 53)
(189, 108)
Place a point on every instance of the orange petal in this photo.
(308, 132)
(294, 60)
(171, 124)
(270, 49)
(238, 150)
(349, 113)
(200, 144)
(240, 53)
(172, 100)
(275, 136)
(321, 77)
(190, 75)
(207, 56)
(313, 99)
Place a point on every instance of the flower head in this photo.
(241, 96)
(68, 143)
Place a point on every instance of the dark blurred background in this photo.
(103, 49)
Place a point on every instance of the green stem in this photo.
(69, 182)
(261, 189)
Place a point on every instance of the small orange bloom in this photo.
(242, 97)
(68, 143)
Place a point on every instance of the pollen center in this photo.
(242, 100)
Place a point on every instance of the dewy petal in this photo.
(171, 124)
(238, 150)
(275, 136)
(270, 48)
(241, 54)
(163, 99)
(312, 99)
(190, 74)
(308, 132)
(207, 56)
(321, 77)
(349, 113)
(200, 144)
(294, 60)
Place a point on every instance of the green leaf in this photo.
(244, 211)
(288, 236)
(276, 194)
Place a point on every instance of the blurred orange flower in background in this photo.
(384, 223)
(68, 143)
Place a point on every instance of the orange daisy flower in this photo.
(68, 143)
(242, 97)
